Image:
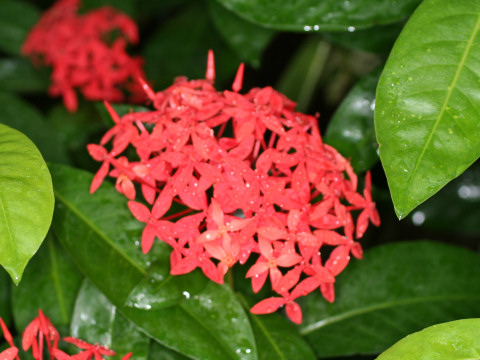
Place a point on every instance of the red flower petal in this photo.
(268, 306)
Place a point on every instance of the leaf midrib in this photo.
(372, 308)
(442, 110)
(99, 232)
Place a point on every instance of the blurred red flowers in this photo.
(87, 52)
(244, 174)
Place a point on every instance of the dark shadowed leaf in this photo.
(103, 239)
(176, 49)
(26, 201)
(327, 15)
(395, 290)
(248, 40)
(16, 19)
(351, 129)
(21, 115)
(455, 340)
(158, 351)
(427, 108)
(18, 75)
(96, 320)
(5, 305)
(51, 282)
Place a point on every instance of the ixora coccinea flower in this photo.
(41, 330)
(87, 52)
(226, 176)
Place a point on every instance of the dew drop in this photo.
(351, 29)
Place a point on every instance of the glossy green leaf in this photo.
(455, 340)
(327, 15)
(378, 39)
(158, 351)
(248, 40)
(395, 290)
(50, 282)
(276, 337)
(19, 75)
(99, 233)
(298, 82)
(427, 108)
(16, 19)
(179, 50)
(5, 305)
(96, 320)
(21, 115)
(351, 129)
(26, 201)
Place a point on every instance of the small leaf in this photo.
(26, 201)
(276, 337)
(351, 130)
(102, 237)
(427, 108)
(18, 75)
(16, 19)
(456, 340)
(411, 285)
(24, 117)
(51, 282)
(327, 15)
(96, 320)
(248, 40)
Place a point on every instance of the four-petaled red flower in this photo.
(84, 54)
(226, 175)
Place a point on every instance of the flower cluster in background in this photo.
(87, 52)
(40, 333)
(226, 175)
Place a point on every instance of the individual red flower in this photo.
(12, 352)
(233, 175)
(36, 332)
(84, 54)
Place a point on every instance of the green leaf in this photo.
(453, 340)
(103, 239)
(248, 40)
(454, 209)
(351, 130)
(96, 320)
(277, 337)
(50, 282)
(327, 15)
(24, 117)
(26, 201)
(427, 108)
(18, 75)
(16, 20)
(178, 50)
(158, 351)
(299, 80)
(126, 6)
(395, 290)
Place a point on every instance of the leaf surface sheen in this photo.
(428, 104)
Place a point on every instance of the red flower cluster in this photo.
(242, 174)
(85, 54)
(40, 330)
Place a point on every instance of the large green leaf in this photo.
(327, 15)
(103, 239)
(351, 130)
(395, 290)
(179, 50)
(16, 19)
(248, 40)
(96, 320)
(21, 115)
(50, 282)
(276, 337)
(26, 201)
(456, 340)
(18, 74)
(427, 108)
